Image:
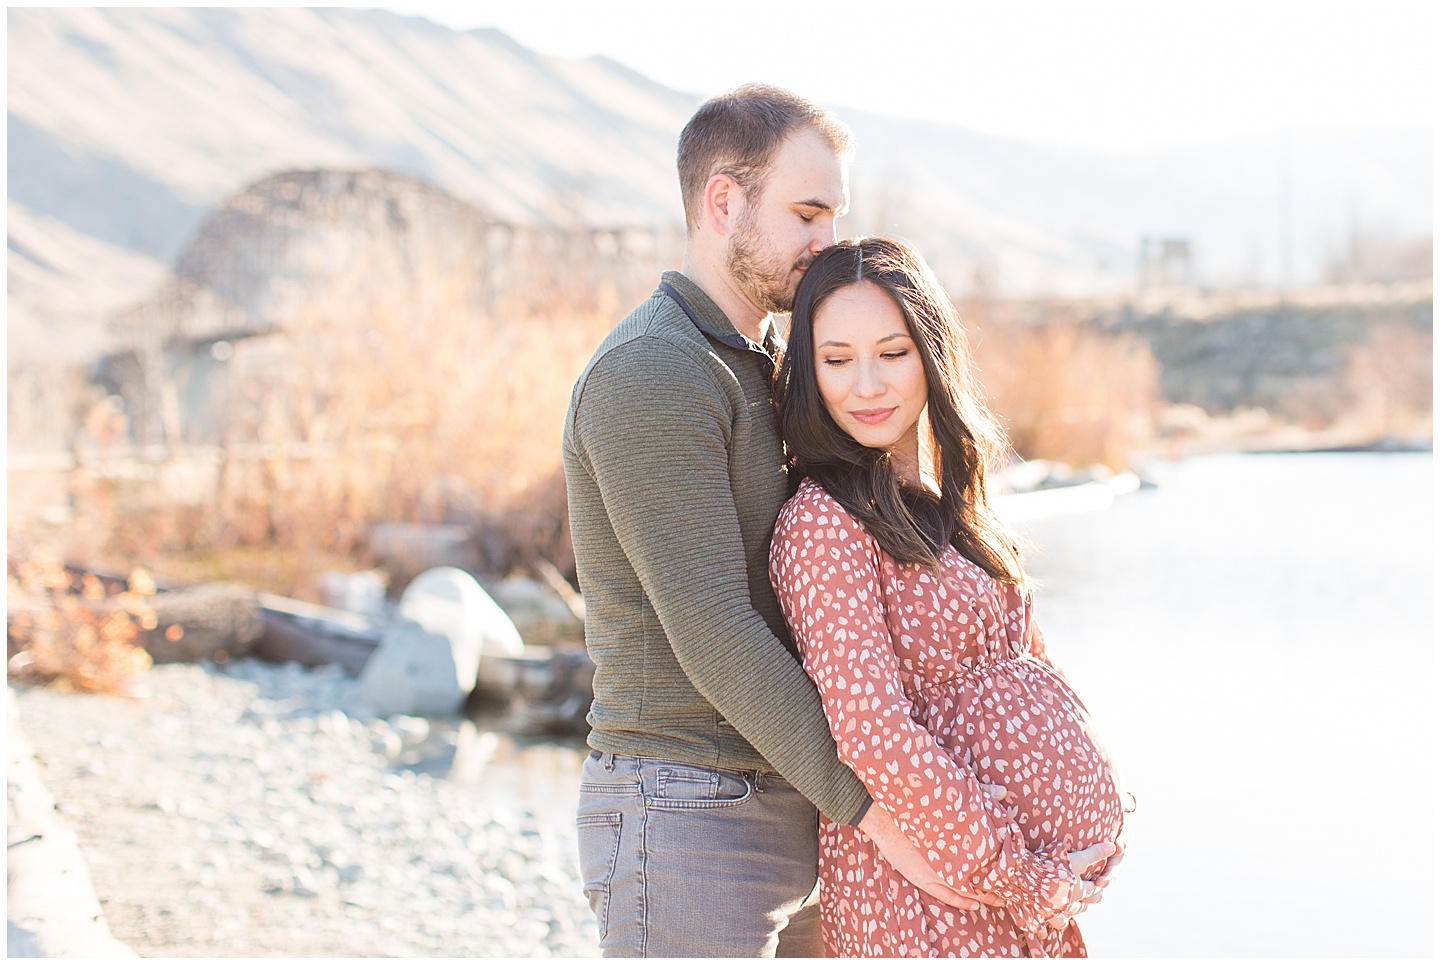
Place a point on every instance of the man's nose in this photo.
(823, 236)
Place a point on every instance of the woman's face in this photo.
(869, 371)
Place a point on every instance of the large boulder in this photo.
(542, 616)
(429, 659)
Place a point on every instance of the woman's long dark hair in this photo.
(909, 522)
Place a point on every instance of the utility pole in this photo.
(1287, 263)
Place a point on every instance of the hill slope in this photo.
(127, 126)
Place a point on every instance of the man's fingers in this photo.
(949, 896)
(997, 792)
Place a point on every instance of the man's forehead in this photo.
(807, 171)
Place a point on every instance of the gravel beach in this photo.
(257, 810)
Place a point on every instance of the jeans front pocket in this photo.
(598, 835)
(681, 787)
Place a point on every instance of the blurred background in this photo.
(303, 291)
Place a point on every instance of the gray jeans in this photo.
(684, 861)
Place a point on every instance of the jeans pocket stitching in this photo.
(616, 789)
(665, 776)
(601, 888)
(659, 803)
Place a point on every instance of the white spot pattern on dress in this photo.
(931, 685)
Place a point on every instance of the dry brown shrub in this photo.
(408, 403)
(1390, 381)
(1064, 390)
(72, 629)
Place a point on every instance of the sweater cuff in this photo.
(860, 814)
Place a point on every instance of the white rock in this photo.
(429, 659)
(411, 730)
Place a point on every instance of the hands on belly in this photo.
(905, 858)
(1094, 867)
(1104, 857)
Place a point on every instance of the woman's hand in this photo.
(1107, 875)
(1098, 859)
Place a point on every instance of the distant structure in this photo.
(1166, 262)
(279, 258)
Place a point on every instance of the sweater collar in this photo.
(708, 317)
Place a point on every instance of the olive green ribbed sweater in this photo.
(675, 474)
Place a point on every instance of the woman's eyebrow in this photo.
(838, 344)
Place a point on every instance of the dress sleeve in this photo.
(826, 572)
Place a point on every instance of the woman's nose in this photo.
(868, 383)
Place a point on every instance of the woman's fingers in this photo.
(1088, 860)
(1112, 863)
(1084, 892)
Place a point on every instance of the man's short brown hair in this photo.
(737, 133)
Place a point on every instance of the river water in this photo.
(1254, 639)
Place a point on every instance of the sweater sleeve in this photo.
(656, 433)
(826, 572)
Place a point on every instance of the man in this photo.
(696, 823)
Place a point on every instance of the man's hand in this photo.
(907, 859)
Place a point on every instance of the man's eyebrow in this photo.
(816, 203)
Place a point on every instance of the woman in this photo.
(910, 607)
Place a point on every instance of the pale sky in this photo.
(1111, 73)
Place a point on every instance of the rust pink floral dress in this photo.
(931, 686)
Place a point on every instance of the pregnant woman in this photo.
(912, 614)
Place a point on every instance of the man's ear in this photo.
(723, 201)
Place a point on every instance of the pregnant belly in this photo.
(1017, 724)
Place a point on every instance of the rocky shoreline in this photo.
(259, 810)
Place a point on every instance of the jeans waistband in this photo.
(606, 758)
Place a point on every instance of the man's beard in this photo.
(756, 272)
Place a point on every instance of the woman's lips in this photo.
(871, 416)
